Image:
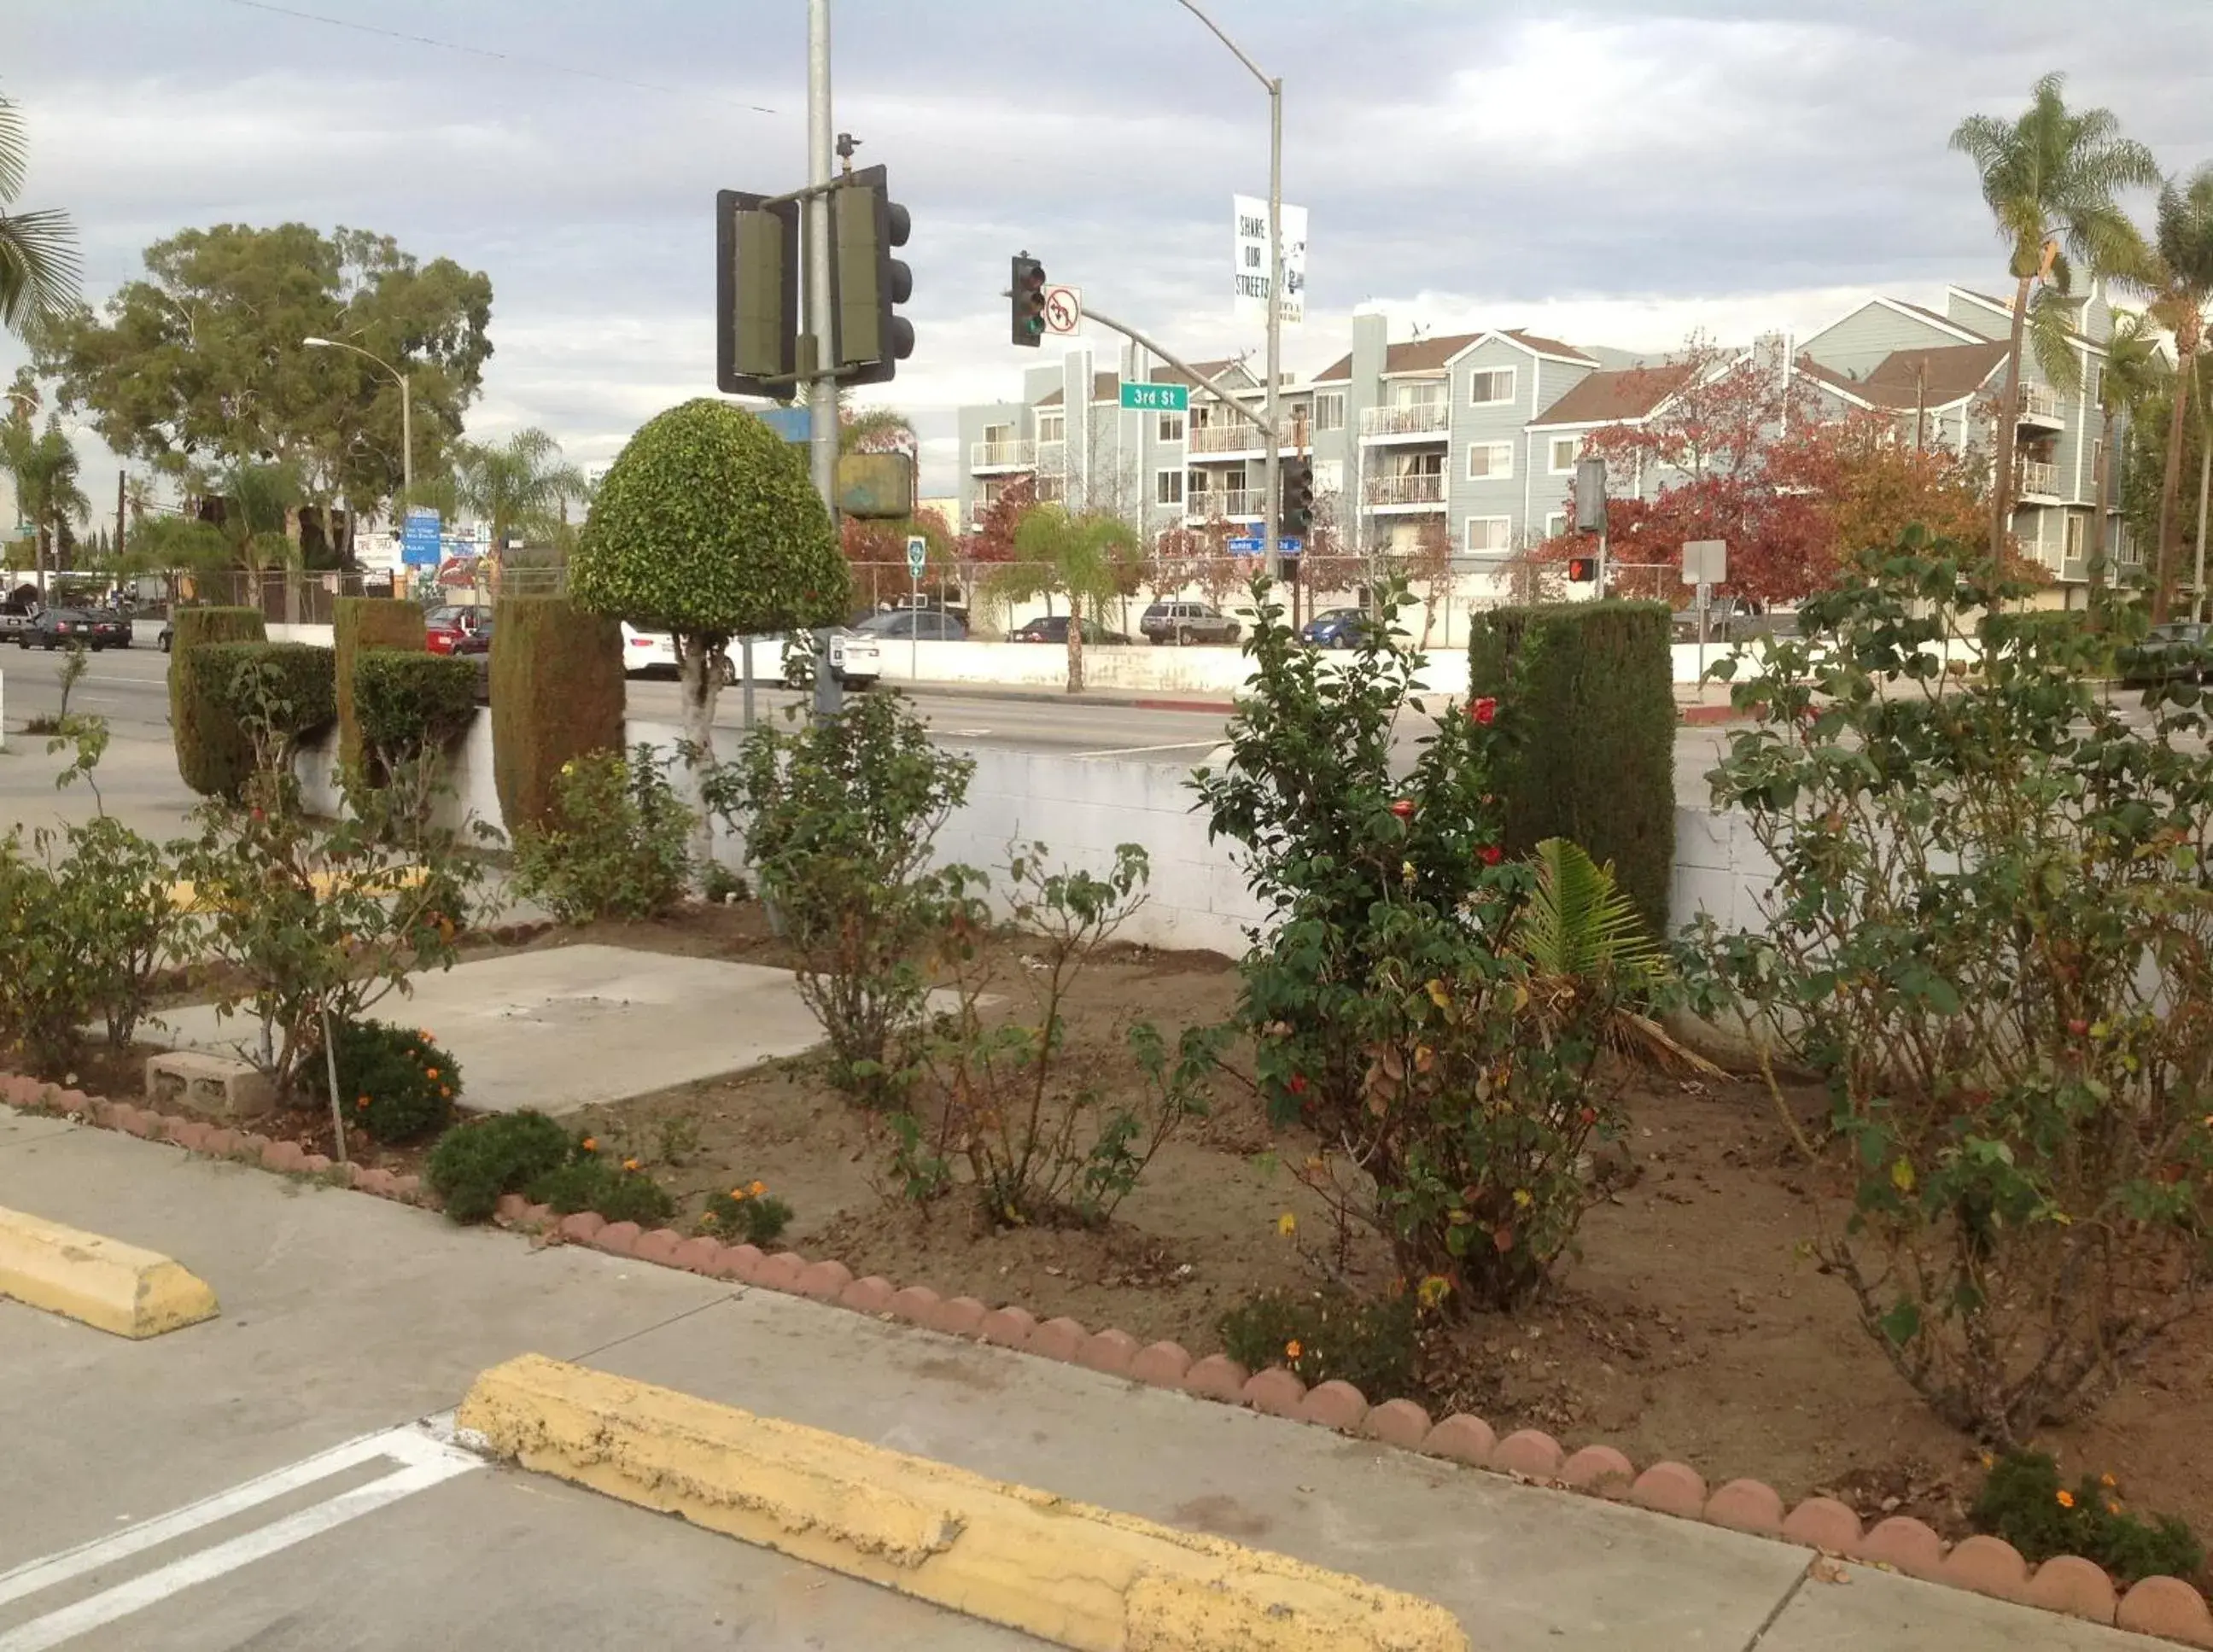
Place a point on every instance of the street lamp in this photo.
(1275, 86)
(406, 408)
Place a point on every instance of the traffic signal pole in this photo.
(1227, 396)
(822, 394)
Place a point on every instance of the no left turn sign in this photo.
(1064, 309)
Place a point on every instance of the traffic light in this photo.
(866, 224)
(756, 295)
(1583, 571)
(1298, 511)
(1027, 321)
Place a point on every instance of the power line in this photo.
(516, 58)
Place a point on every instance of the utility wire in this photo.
(516, 58)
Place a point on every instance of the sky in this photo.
(1614, 172)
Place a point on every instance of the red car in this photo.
(445, 627)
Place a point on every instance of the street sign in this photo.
(1244, 544)
(1064, 309)
(420, 543)
(1250, 276)
(1289, 544)
(917, 552)
(792, 423)
(1705, 562)
(1157, 398)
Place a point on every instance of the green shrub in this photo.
(395, 1082)
(1586, 699)
(1323, 1336)
(289, 684)
(120, 921)
(359, 626)
(213, 753)
(558, 694)
(588, 1182)
(2024, 1503)
(750, 1216)
(838, 818)
(475, 1162)
(407, 705)
(615, 847)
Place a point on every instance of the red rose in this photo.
(1403, 809)
(2078, 1029)
(1489, 854)
(1483, 710)
(1298, 1084)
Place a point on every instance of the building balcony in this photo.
(1237, 436)
(1002, 456)
(1422, 421)
(1225, 503)
(2039, 482)
(1418, 490)
(2040, 405)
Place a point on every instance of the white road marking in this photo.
(1136, 751)
(425, 1459)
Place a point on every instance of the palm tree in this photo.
(518, 485)
(2133, 370)
(44, 467)
(37, 250)
(1089, 559)
(2050, 177)
(2176, 271)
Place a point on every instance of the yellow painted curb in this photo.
(1064, 1571)
(186, 898)
(109, 1285)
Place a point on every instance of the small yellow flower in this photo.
(1522, 1197)
(1433, 1290)
(1407, 873)
(630, 1164)
(1291, 1349)
(2066, 1499)
(1989, 1460)
(1287, 1224)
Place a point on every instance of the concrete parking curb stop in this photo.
(1064, 1571)
(102, 1282)
(2155, 1606)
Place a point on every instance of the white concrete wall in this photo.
(1082, 807)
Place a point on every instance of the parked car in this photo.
(14, 622)
(1053, 628)
(1728, 619)
(654, 652)
(1188, 622)
(167, 639)
(929, 624)
(855, 657)
(1334, 628)
(112, 626)
(59, 628)
(476, 646)
(443, 627)
(2174, 652)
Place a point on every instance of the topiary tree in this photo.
(360, 624)
(707, 527)
(556, 693)
(213, 753)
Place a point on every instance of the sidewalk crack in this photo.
(647, 1331)
(1781, 1607)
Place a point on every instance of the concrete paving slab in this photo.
(563, 1028)
(1871, 1608)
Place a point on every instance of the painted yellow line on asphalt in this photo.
(105, 1283)
(1065, 1572)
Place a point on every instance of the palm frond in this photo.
(39, 266)
(2051, 339)
(1579, 922)
(14, 150)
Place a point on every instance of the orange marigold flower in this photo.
(2066, 1499)
(630, 1164)
(757, 1188)
(429, 1072)
(1292, 1349)
(591, 1144)
(2107, 1481)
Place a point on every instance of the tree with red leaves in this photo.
(992, 539)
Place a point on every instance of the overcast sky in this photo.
(1613, 171)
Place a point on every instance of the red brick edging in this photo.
(2157, 1606)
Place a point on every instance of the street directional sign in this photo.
(1157, 398)
(420, 541)
(792, 423)
(1246, 545)
(1289, 544)
(917, 552)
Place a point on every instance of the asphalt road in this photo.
(130, 689)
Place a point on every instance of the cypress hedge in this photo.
(213, 755)
(407, 704)
(291, 684)
(556, 693)
(360, 624)
(1587, 701)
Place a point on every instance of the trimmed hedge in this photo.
(1586, 693)
(556, 693)
(358, 625)
(407, 704)
(212, 753)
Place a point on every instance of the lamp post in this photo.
(406, 409)
(1275, 87)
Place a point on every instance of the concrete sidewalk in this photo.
(344, 1313)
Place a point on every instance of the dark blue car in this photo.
(1334, 628)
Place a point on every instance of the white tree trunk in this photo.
(699, 685)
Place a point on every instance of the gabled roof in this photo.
(1935, 318)
(1622, 395)
(1163, 374)
(1544, 346)
(1105, 387)
(1414, 355)
(1939, 376)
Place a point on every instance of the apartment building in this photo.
(1476, 435)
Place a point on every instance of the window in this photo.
(1490, 535)
(1566, 450)
(995, 435)
(1167, 487)
(1491, 387)
(1171, 428)
(1416, 392)
(1329, 410)
(1556, 523)
(1052, 426)
(2075, 527)
(1490, 460)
